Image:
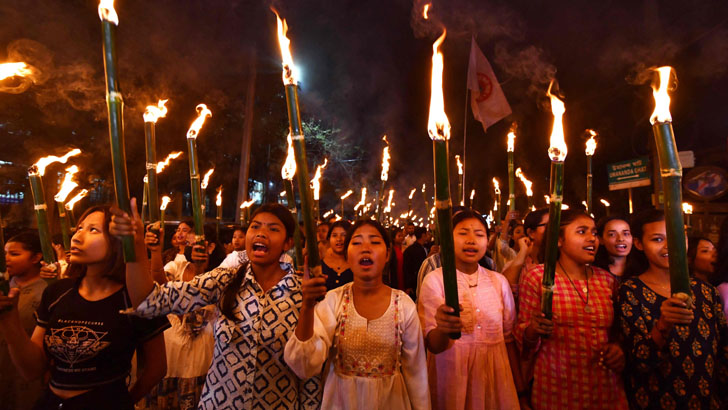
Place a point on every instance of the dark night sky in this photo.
(366, 67)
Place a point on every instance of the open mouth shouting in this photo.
(366, 262)
(470, 252)
(260, 249)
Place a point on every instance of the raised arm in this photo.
(139, 280)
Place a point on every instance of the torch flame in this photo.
(591, 143)
(423, 188)
(289, 70)
(564, 207)
(687, 208)
(316, 181)
(202, 113)
(425, 10)
(218, 200)
(547, 198)
(412, 193)
(557, 148)
(165, 201)
(68, 184)
(206, 178)
(79, 196)
(496, 186)
(388, 208)
(472, 195)
(247, 204)
(662, 98)
(363, 199)
(40, 166)
(460, 164)
(385, 160)
(155, 112)
(604, 202)
(107, 12)
(289, 167)
(162, 164)
(8, 70)
(526, 183)
(347, 194)
(438, 125)
(512, 138)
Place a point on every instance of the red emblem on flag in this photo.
(485, 86)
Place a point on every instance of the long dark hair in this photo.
(637, 262)
(567, 217)
(227, 301)
(115, 268)
(344, 224)
(603, 259)
(29, 240)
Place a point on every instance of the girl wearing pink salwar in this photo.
(477, 370)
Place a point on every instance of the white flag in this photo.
(487, 100)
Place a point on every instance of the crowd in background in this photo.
(232, 324)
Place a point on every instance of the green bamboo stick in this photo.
(551, 240)
(511, 183)
(145, 195)
(196, 192)
(115, 106)
(65, 227)
(299, 149)
(671, 172)
(150, 136)
(443, 209)
(291, 200)
(39, 205)
(589, 198)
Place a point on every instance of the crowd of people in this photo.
(231, 324)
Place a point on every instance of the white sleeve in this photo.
(414, 357)
(231, 261)
(306, 358)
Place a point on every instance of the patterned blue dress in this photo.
(688, 372)
(248, 370)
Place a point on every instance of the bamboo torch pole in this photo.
(195, 183)
(511, 174)
(438, 127)
(115, 106)
(151, 114)
(162, 210)
(557, 152)
(67, 186)
(383, 177)
(460, 197)
(287, 173)
(591, 146)
(299, 147)
(671, 172)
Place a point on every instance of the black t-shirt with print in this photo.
(90, 343)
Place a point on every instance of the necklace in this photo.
(587, 309)
(470, 283)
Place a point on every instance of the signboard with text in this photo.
(629, 174)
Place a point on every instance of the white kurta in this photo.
(374, 364)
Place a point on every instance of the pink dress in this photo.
(566, 373)
(474, 372)
(723, 290)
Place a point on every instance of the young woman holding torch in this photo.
(577, 361)
(258, 305)
(478, 370)
(675, 354)
(80, 336)
(365, 334)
